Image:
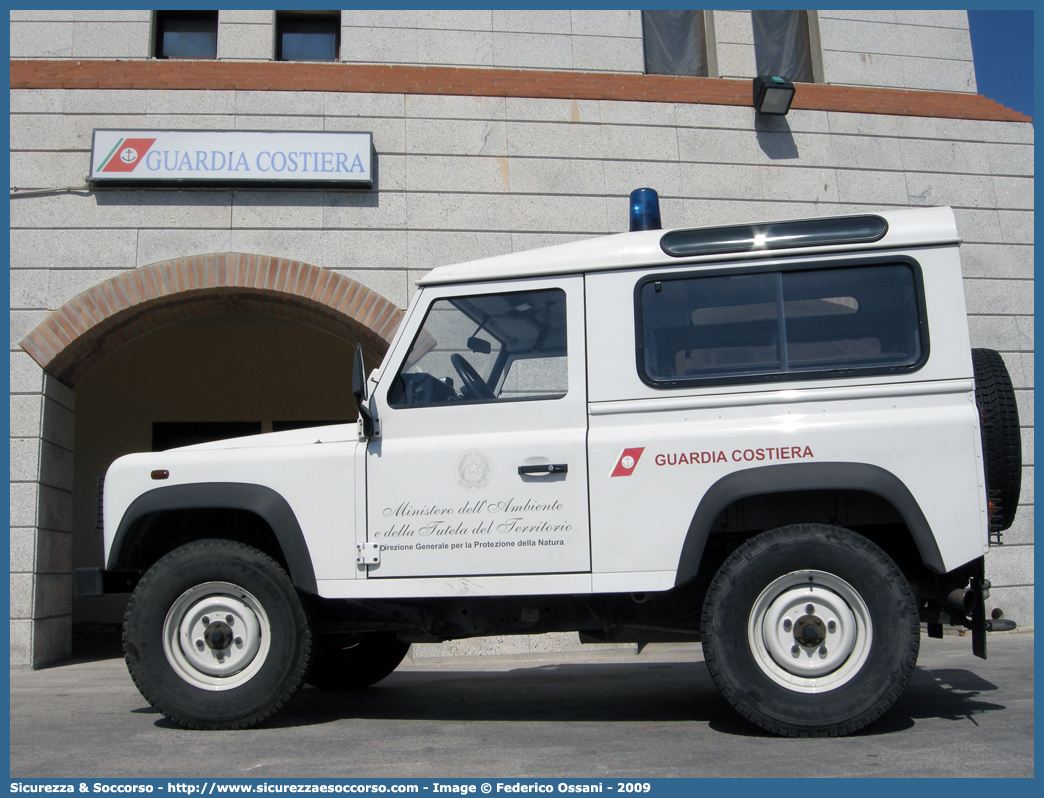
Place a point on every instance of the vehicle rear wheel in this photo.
(810, 630)
(216, 637)
(353, 664)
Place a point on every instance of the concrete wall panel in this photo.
(1017, 603)
(1017, 227)
(42, 15)
(465, 211)
(933, 18)
(23, 548)
(154, 246)
(620, 23)
(428, 249)
(418, 46)
(22, 594)
(52, 640)
(361, 209)
(248, 35)
(430, 106)
(55, 510)
(736, 61)
(1014, 193)
(536, 109)
(968, 191)
(552, 176)
(110, 39)
(532, 51)
(456, 173)
(42, 39)
(982, 260)
(456, 137)
(356, 104)
(535, 139)
(26, 415)
(639, 143)
(881, 189)
(1021, 532)
(722, 181)
(703, 145)
(21, 641)
(515, 21)
(608, 54)
(303, 245)
(25, 498)
(53, 553)
(479, 20)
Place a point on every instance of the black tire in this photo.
(354, 664)
(866, 652)
(197, 667)
(1001, 437)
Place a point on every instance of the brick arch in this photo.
(71, 340)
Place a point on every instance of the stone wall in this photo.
(897, 49)
(41, 514)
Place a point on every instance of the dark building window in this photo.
(308, 37)
(781, 44)
(171, 434)
(186, 34)
(675, 42)
(283, 426)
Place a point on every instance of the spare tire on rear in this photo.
(1001, 438)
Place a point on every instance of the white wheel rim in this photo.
(216, 636)
(810, 651)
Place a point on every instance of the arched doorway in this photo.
(211, 346)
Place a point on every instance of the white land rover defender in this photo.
(772, 438)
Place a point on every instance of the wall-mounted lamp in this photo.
(772, 95)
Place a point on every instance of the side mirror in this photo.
(359, 375)
(359, 392)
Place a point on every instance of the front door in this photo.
(481, 467)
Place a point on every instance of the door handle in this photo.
(543, 468)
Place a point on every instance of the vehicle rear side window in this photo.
(771, 325)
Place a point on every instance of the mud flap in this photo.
(978, 625)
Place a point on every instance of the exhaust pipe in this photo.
(963, 598)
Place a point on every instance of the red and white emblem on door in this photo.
(626, 462)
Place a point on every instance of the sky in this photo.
(1002, 44)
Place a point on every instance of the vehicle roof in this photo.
(914, 227)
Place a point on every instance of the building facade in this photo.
(143, 317)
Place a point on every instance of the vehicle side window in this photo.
(748, 327)
(486, 348)
(531, 377)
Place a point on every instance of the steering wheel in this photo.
(471, 379)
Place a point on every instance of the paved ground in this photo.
(590, 714)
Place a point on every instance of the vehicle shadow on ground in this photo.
(96, 646)
(601, 693)
(952, 694)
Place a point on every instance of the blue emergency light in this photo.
(645, 210)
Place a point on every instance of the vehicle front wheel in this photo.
(353, 664)
(216, 637)
(810, 630)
